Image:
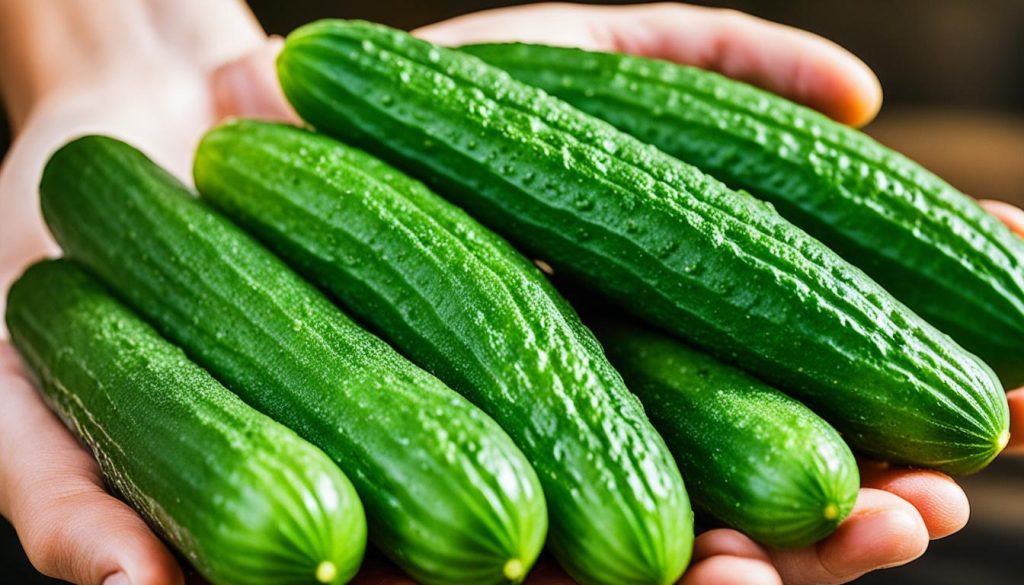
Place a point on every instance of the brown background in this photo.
(953, 74)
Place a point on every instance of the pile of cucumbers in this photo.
(330, 344)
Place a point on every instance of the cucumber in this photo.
(462, 303)
(928, 244)
(753, 457)
(665, 240)
(244, 499)
(447, 494)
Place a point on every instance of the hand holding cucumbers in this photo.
(356, 307)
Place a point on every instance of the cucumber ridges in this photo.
(461, 302)
(671, 243)
(448, 496)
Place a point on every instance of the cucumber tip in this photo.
(514, 570)
(1003, 440)
(326, 572)
(831, 511)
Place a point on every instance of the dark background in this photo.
(953, 75)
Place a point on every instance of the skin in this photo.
(157, 73)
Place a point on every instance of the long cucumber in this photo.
(244, 499)
(462, 303)
(447, 494)
(928, 244)
(753, 457)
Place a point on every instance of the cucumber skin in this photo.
(753, 457)
(244, 499)
(928, 244)
(447, 494)
(462, 303)
(668, 242)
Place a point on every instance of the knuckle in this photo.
(49, 527)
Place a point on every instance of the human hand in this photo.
(55, 498)
(158, 79)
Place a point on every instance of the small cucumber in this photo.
(670, 243)
(928, 244)
(447, 494)
(244, 499)
(754, 458)
(461, 302)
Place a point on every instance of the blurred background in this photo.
(953, 76)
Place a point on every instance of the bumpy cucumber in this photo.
(670, 243)
(925, 242)
(244, 499)
(461, 302)
(447, 494)
(753, 457)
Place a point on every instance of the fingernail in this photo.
(117, 579)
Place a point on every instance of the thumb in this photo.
(247, 87)
(1016, 398)
(81, 534)
(51, 491)
(1009, 214)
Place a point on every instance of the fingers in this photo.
(939, 500)
(1011, 215)
(882, 531)
(728, 570)
(566, 25)
(725, 557)
(724, 541)
(793, 63)
(247, 87)
(50, 489)
(895, 516)
(1016, 399)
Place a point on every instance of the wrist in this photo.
(51, 47)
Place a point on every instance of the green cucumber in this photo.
(243, 498)
(462, 303)
(928, 244)
(753, 457)
(672, 244)
(447, 494)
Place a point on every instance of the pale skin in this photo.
(158, 73)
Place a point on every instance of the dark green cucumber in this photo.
(461, 302)
(244, 499)
(671, 243)
(928, 244)
(753, 457)
(447, 494)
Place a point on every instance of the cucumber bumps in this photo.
(929, 245)
(461, 302)
(753, 457)
(669, 242)
(447, 494)
(244, 499)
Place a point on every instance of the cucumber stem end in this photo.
(831, 511)
(514, 570)
(1003, 440)
(326, 572)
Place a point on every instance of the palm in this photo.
(163, 109)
